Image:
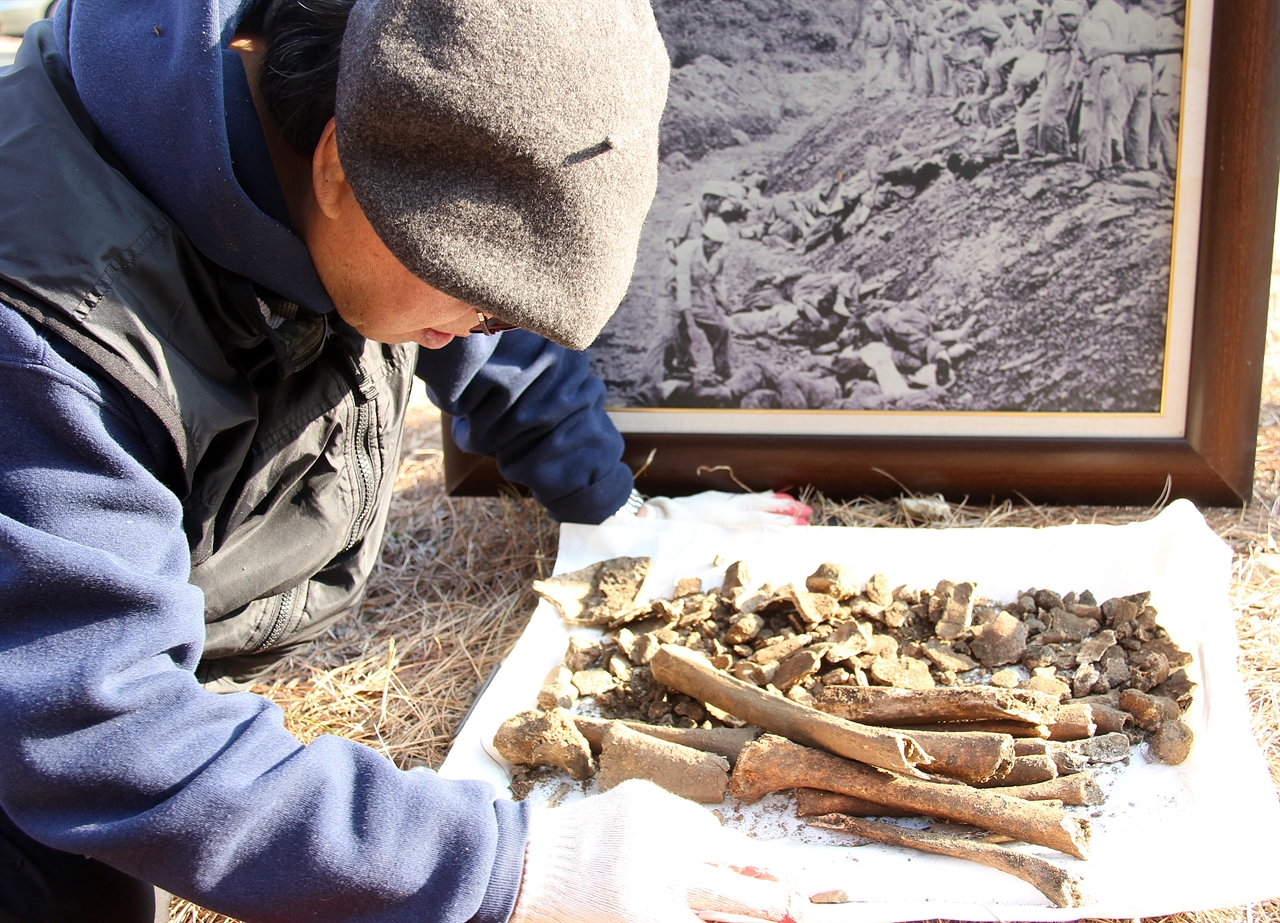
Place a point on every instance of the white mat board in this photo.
(1199, 836)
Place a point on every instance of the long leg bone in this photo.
(1061, 887)
(890, 707)
(1079, 789)
(773, 764)
(810, 802)
(687, 672)
(1012, 728)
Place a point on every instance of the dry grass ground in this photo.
(451, 597)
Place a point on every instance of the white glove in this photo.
(762, 510)
(637, 854)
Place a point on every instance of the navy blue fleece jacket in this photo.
(110, 748)
(108, 745)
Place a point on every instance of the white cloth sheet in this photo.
(1198, 836)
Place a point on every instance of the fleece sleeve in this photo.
(536, 409)
(110, 748)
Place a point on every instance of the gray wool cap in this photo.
(506, 151)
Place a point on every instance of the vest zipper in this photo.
(365, 432)
(280, 622)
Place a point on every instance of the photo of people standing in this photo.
(916, 205)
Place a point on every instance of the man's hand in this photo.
(739, 511)
(637, 854)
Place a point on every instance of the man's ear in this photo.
(328, 180)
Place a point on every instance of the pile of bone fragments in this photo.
(866, 700)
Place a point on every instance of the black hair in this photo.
(299, 79)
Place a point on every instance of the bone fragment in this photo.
(1110, 720)
(773, 764)
(1105, 748)
(945, 828)
(1026, 770)
(1149, 711)
(1075, 755)
(687, 672)
(1077, 789)
(557, 689)
(596, 594)
(534, 738)
(1012, 728)
(968, 756)
(683, 771)
(1068, 759)
(1060, 886)
(726, 742)
(811, 802)
(1172, 743)
(736, 578)
(1074, 722)
(829, 897)
(882, 705)
(1028, 746)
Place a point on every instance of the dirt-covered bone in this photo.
(1149, 711)
(1000, 641)
(685, 671)
(725, 742)
(812, 802)
(693, 774)
(1073, 722)
(889, 707)
(1172, 743)
(597, 594)
(1107, 718)
(953, 605)
(1077, 755)
(1015, 729)
(549, 738)
(968, 756)
(1060, 886)
(836, 580)
(1080, 789)
(1105, 748)
(1026, 770)
(1075, 789)
(558, 690)
(772, 764)
(736, 578)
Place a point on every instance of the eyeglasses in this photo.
(489, 326)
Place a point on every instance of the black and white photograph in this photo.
(909, 205)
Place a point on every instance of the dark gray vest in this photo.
(281, 435)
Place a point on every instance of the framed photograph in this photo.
(988, 249)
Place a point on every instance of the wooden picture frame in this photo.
(1211, 463)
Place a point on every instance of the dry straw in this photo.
(451, 596)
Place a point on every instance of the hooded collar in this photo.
(172, 100)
